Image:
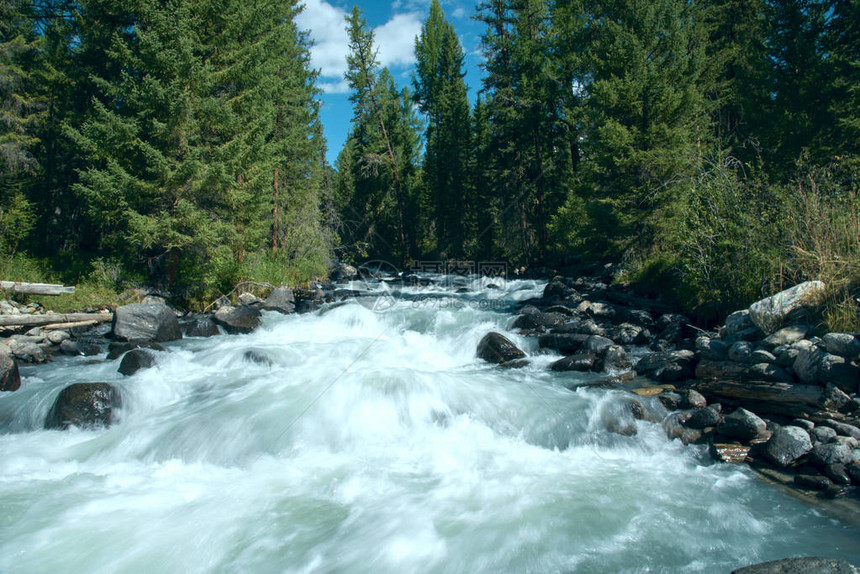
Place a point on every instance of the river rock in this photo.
(787, 336)
(249, 299)
(579, 327)
(135, 361)
(597, 344)
(10, 378)
(615, 359)
(712, 349)
(282, 300)
(811, 565)
(26, 351)
(237, 320)
(667, 367)
(811, 481)
(146, 322)
(117, 349)
(822, 434)
(704, 418)
(497, 349)
(842, 429)
(342, 273)
(692, 399)
(772, 313)
(831, 453)
(833, 399)
(566, 344)
(737, 322)
(582, 362)
(788, 444)
(202, 327)
(85, 405)
(559, 290)
(740, 352)
(742, 425)
(769, 372)
(57, 336)
(837, 473)
(629, 334)
(533, 321)
(79, 348)
(843, 344)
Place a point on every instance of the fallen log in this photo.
(763, 397)
(35, 288)
(58, 326)
(52, 319)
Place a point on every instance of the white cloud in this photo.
(395, 40)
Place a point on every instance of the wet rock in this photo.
(836, 491)
(629, 334)
(842, 429)
(742, 425)
(10, 378)
(671, 400)
(762, 356)
(667, 367)
(830, 453)
(579, 327)
(597, 344)
(79, 348)
(837, 473)
(515, 364)
(147, 322)
(533, 321)
(582, 362)
(117, 349)
(814, 366)
(85, 405)
(692, 399)
(249, 299)
(787, 336)
(811, 481)
(673, 327)
(722, 370)
(772, 313)
(597, 309)
(342, 273)
(615, 359)
(282, 300)
(822, 434)
(237, 320)
(812, 565)
(787, 445)
(704, 418)
(854, 472)
(257, 358)
(496, 348)
(740, 352)
(202, 327)
(559, 290)
(566, 344)
(844, 345)
(135, 361)
(833, 399)
(27, 352)
(304, 306)
(805, 424)
(675, 427)
(712, 349)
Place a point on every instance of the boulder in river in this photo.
(202, 327)
(85, 405)
(742, 425)
(566, 344)
(788, 444)
(667, 367)
(539, 321)
(615, 359)
(772, 313)
(282, 300)
(136, 360)
(496, 348)
(10, 378)
(238, 320)
(582, 362)
(808, 565)
(79, 348)
(146, 322)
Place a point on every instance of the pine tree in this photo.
(441, 95)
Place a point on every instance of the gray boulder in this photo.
(615, 359)
(532, 321)
(788, 444)
(842, 344)
(740, 352)
(770, 373)
(742, 425)
(823, 454)
(737, 322)
(238, 320)
(566, 344)
(497, 349)
(787, 336)
(79, 348)
(597, 344)
(582, 362)
(772, 313)
(712, 349)
(822, 434)
(10, 378)
(146, 322)
(833, 398)
(811, 565)
(85, 405)
(704, 418)
(282, 300)
(814, 366)
(135, 361)
(202, 327)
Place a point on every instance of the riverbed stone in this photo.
(27, 352)
(538, 321)
(238, 320)
(136, 360)
(559, 290)
(787, 445)
(737, 322)
(823, 454)
(10, 378)
(787, 336)
(281, 300)
(842, 429)
(833, 399)
(667, 367)
(566, 344)
(57, 336)
(597, 344)
(740, 352)
(843, 344)
(712, 349)
(772, 313)
(146, 322)
(202, 327)
(742, 425)
(811, 481)
(769, 372)
(73, 348)
(497, 349)
(692, 399)
(85, 405)
(579, 327)
(582, 362)
(615, 359)
(704, 418)
(628, 334)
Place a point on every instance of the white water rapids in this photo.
(373, 442)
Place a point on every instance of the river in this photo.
(353, 440)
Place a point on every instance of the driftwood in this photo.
(775, 398)
(35, 288)
(52, 319)
(58, 326)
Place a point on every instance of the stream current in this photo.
(350, 440)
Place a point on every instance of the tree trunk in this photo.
(52, 319)
(35, 288)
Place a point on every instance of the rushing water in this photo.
(356, 441)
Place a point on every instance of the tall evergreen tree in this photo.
(440, 92)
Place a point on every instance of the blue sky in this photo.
(396, 24)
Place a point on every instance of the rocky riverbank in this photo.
(765, 389)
